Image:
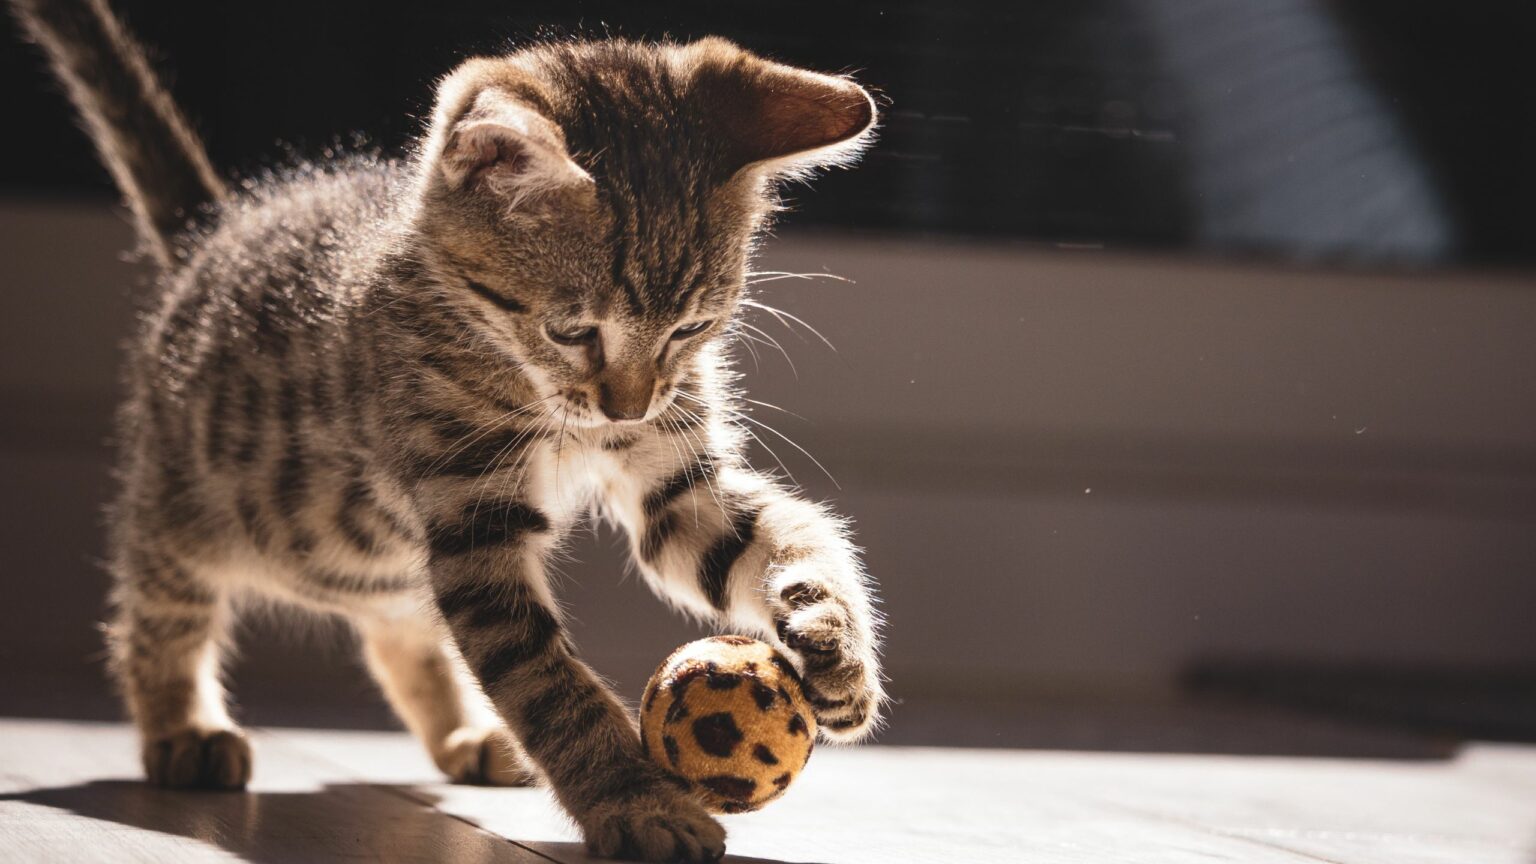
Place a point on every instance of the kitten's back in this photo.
(279, 260)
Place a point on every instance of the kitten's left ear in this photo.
(778, 117)
(490, 140)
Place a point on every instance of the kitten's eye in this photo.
(688, 330)
(573, 336)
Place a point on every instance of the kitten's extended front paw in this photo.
(199, 759)
(837, 658)
(658, 824)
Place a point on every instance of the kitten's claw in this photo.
(195, 759)
(659, 824)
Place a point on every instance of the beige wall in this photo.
(1281, 461)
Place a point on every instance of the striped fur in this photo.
(354, 397)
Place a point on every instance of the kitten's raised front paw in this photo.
(659, 824)
(489, 757)
(838, 663)
(199, 759)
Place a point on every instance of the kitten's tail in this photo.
(145, 142)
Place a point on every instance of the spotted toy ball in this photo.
(728, 715)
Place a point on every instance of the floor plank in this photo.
(1376, 813)
(66, 791)
(70, 792)
(913, 804)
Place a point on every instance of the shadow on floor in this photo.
(335, 822)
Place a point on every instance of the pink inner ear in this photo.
(513, 155)
(482, 149)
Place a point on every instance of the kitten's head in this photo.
(590, 207)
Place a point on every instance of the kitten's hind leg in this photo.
(165, 638)
(431, 692)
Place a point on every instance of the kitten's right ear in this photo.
(778, 117)
(497, 143)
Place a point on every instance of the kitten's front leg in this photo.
(722, 537)
(486, 564)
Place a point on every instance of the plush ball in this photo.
(728, 715)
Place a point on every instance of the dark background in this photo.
(1056, 120)
(1184, 390)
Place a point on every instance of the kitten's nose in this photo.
(629, 400)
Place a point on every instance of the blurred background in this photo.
(1184, 390)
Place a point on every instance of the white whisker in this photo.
(790, 441)
(775, 344)
(782, 315)
(776, 275)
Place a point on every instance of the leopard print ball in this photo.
(728, 715)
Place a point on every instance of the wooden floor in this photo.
(68, 792)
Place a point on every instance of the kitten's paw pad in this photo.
(199, 759)
(485, 757)
(654, 827)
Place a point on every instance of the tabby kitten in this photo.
(389, 389)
